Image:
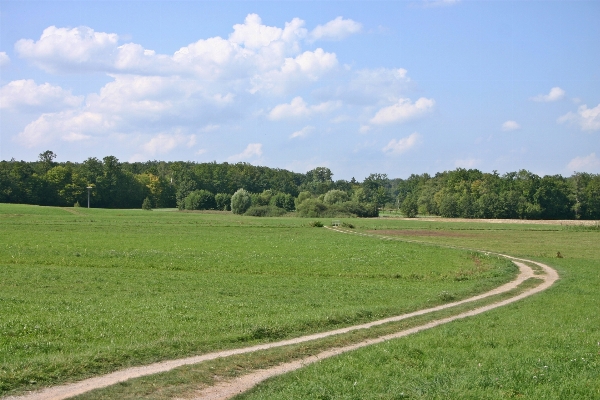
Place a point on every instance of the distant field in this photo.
(543, 347)
(87, 291)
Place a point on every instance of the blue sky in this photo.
(359, 87)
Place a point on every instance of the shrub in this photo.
(76, 204)
(283, 200)
(335, 196)
(200, 200)
(223, 201)
(265, 211)
(301, 197)
(316, 224)
(409, 206)
(311, 208)
(240, 201)
(146, 204)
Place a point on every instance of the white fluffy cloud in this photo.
(403, 111)
(587, 118)
(62, 48)
(4, 59)
(302, 132)
(25, 95)
(510, 126)
(395, 147)
(336, 29)
(298, 108)
(555, 94)
(589, 163)
(251, 151)
(164, 143)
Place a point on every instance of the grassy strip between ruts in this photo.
(184, 382)
(94, 291)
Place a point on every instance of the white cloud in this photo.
(336, 29)
(402, 145)
(298, 108)
(4, 59)
(24, 94)
(67, 125)
(164, 143)
(364, 129)
(302, 132)
(440, 3)
(466, 163)
(587, 118)
(589, 163)
(510, 126)
(555, 94)
(62, 48)
(252, 150)
(403, 111)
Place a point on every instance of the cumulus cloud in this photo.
(4, 59)
(395, 147)
(63, 48)
(587, 118)
(302, 132)
(367, 86)
(252, 150)
(403, 111)
(589, 163)
(164, 143)
(298, 108)
(510, 126)
(66, 125)
(555, 94)
(336, 29)
(25, 94)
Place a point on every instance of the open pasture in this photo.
(87, 291)
(546, 346)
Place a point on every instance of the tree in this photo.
(409, 206)
(335, 196)
(146, 205)
(223, 201)
(200, 200)
(240, 201)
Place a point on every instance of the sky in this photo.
(361, 87)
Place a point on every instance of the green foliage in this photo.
(147, 204)
(240, 201)
(200, 200)
(335, 196)
(223, 201)
(301, 197)
(284, 201)
(409, 206)
(316, 224)
(265, 211)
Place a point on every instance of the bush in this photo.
(265, 211)
(311, 208)
(283, 200)
(200, 200)
(409, 206)
(146, 204)
(223, 201)
(316, 224)
(240, 201)
(335, 196)
(78, 205)
(301, 197)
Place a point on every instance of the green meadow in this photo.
(89, 291)
(543, 347)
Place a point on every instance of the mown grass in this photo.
(86, 291)
(543, 347)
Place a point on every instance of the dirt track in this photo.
(228, 389)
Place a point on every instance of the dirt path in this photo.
(228, 389)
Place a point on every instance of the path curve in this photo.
(228, 389)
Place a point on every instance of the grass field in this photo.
(544, 347)
(86, 291)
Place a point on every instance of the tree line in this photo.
(467, 193)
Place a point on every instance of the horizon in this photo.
(359, 88)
